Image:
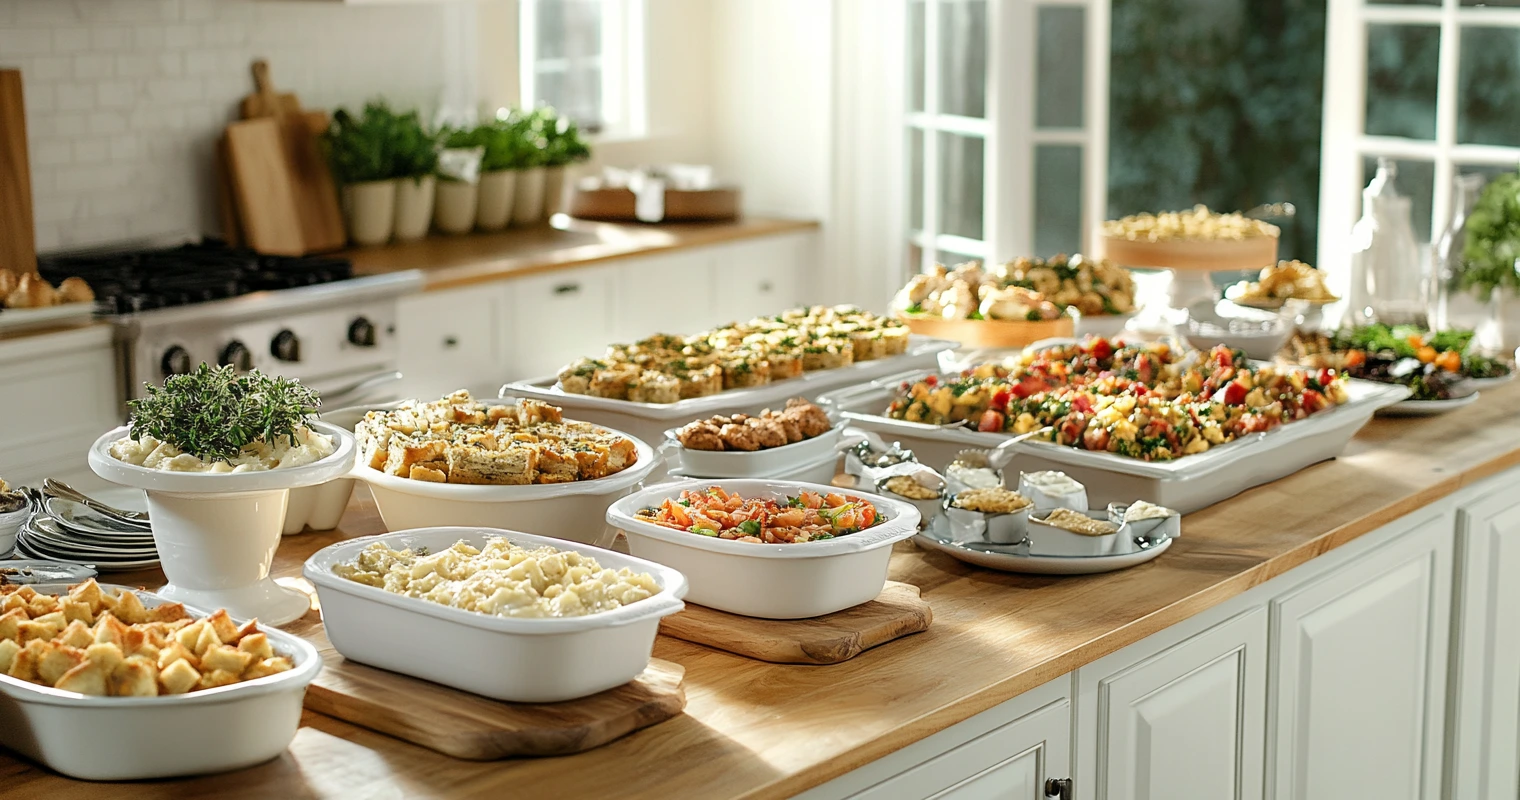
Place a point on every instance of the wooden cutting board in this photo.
(18, 242)
(476, 728)
(897, 612)
(265, 101)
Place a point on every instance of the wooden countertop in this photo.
(764, 730)
(452, 261)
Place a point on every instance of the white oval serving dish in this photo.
(768, 463)
(821, 470)
(505, 658)
(770, 581)
(136, 738)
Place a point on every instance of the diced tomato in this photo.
(1326, 377)
(1096, 438)
(1000, 400)
(1102, 349)
(1223, 356)
(932, 380)
(1233, 394)
(1073, 426)
(1313, 401)
(676, 512)
(992, 422)
(1082, 403)
(1139, 389)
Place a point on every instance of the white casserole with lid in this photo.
(522, 660)
(135, 738)
(770, 581)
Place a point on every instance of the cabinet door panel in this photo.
(1187, 722)
(1360, 673)
(450, 340)
(1483, 736)
(667, 293)
(762, 276)
(1008, 763)
(560, 317)
(56, 401)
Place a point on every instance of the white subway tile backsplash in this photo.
(125, 98)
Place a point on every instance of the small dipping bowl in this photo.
(971, 460)
(1010, 527)
(929, 508)
(1154, 529)
(1049, 540)
(1045, 498)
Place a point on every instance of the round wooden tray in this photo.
(990, 332)
(1204, 256)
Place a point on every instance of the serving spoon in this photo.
(57, 488)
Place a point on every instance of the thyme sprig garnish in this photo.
(214, 412)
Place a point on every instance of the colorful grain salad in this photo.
(807, 517)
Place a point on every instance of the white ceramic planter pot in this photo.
(554, 190)
(454, 206)
(414, 207)
(370, 210)
(493, 209)
(1500, 330)
(528, 207)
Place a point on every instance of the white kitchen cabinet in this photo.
(665, 293)
(1483, 730)
(1184, 723)
(764, 276)
(59, 393)
(1006, 753)
(1359, 669)
(560, 316)
(452, 339)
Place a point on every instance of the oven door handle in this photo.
(359, 391)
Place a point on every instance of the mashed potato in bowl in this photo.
(306, 447)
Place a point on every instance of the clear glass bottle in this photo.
(1447, 251)
(1390, 280)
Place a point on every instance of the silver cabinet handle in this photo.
(567, 288)
(451, 341)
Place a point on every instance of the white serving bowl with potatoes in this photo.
(516, 659)
(137, 738)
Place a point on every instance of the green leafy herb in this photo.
(750, 527)
(379, 144)
(1493, 240)
(214, 412)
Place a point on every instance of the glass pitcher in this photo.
(1390, 281)
(1446, 264)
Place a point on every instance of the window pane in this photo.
(1401, 80)
(551, 29)
(916, 35)
(1488, 102)
(950, 259)
(960, 185)
(916, 179)
(1416, 181)
(1059, 76)
(963, 57)
(1488, 171)
(1057, 199)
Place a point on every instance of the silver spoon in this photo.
(56, 488)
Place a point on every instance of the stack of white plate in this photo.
(63, 530)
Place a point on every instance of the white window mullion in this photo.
(1009, 188)
(1487, 154)
(951, 123)
(1398, 147)
(527, 55)
(1402, 15)
(1447, 84)
(1095, 117)
(1078, 136)
(1341, 134)
(931, 134)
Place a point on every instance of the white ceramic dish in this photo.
(773, 462)
(513, 659)
(1169, 526)
(970, 526)
(1018, 559)
(1048, 539)
(928, 508)
(216, 533)
(648, 421)
(1427, 408)
(135, 738)
(16, 319)
(821, 470)
(1471, 385)
(1186, 484)
(1259, 334)
(1105, 325)
(771, 581)
(321, 507)
(1046, 498)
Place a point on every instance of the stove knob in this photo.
(361, 333)
(237, 356)
(176, 361)
(285, 346)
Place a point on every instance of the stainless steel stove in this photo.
(307, 318)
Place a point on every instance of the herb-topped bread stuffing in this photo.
(216, 419)
(460, 440)
(667, 368)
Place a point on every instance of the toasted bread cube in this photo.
(106, 654)
(177, 652)
(422, 473)
(134, 677)
(24, 664)
(109, 629)
(34, 631)
(129, 609)
(42, 605)
(14, 602)
(190, 634)
(10, 623)
(223, 658)
(78, 610)
(249, 628)
(256, 645)
(178, 678)
(8, 651)
(207, 640)
(77, 634)
(221, 622)
(215, 678)
(168, 612)
(269, 666)
(26, 593)
(54, 620)
(88, 593)
(556, 467)
(85, 678)
(56, 660)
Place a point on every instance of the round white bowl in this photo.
(772, 462)
(770, 581)
(570, 511)
(216, 533)
(10, 524)
(1105, 325)
(523, 660)
(995, 527)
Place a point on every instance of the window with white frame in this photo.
(585, 58)
(1007, 122)
(1433, 84)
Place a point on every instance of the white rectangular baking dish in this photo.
(648, 421)
(755, 464)
(771, 581)
(506, 658)
(136, 738)
(1185, 484)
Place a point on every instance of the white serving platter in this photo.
(1428, 408)
(1015, 558)
(16, 319)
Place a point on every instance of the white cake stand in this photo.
(216, 533)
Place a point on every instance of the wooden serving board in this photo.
(476, 728)
(990, 332)
(830, 639)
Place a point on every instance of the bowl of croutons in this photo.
(765, 445)
(118, 684)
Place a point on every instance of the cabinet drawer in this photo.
(761, 277)
(451, 340)
(559, 317)
(666, 294)
(56, 404)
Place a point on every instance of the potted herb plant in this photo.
(1491, 259)
(564, 147)
(503, 155)
(530, 129)
(369, 153)
(454, 210)
(416, 176)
